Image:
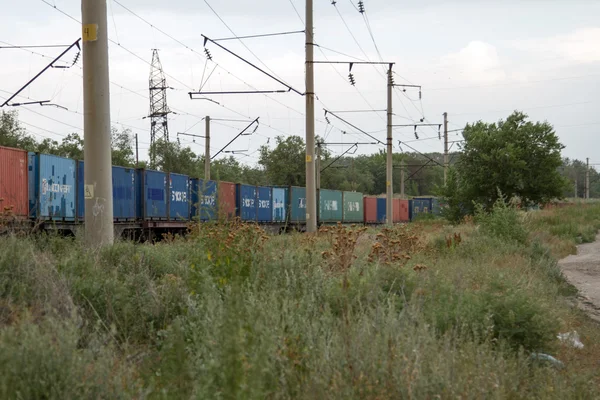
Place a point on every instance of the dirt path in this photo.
(583, 271)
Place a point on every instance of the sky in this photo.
(474, 59)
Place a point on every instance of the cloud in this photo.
(579, 46)
(477, 62)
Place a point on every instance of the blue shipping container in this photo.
(152, 194)
(246, 202)
(297, 204)
(179, 197)
(280, 199)
(124, 192)
(264, 198)
(420, 205)
(52, 187)
(204, 199)
(381, 210)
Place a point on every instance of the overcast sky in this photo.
(475, 59)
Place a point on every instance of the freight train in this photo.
(48, 191)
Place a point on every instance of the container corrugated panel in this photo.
(370, 209)
(297, 205)
(246, 202)
(420, 205)
(179, 197)
(436, 208)
(227, 200)
(153, 196)
(401, 210)
(381, 210)
(330, 206)
(353, 207)
(264, 201)
(280, 201)
(13, 181)
(204, 199)
(123, 188)
(54, 187)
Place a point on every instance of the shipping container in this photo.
(204, 199)
(381, 210)
(353, 207)
(124, 193)
(280, 204)
(246, 202)
(179, 199)
(401, 210)
(264, 203)
(52, 187)
(227, 200)
(370, 209)
(297, 205)
(420, 205)
(436, 206)
(152, 195)
(14, 193)
(330, 206)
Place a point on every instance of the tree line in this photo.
(516, 156)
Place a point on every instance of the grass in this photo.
(420, 311)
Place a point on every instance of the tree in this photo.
(122, 148)
(514, 157)
(285, 164)
(71, 147)
(12, 134)
(172, 157)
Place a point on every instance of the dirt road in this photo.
(583, 271)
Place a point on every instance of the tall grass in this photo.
(229, 313)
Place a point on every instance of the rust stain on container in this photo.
(13, 181)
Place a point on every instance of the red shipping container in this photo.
(13, 181)
(400, 210)
(370, 206)
(226, 199)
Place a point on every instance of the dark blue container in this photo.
(280, 204)
(420, 205)
(410, 210)
(179, 197)
(264, 199)
(152, 195)
(297, 205)
(381, 210)
(52, 187)
(246, 202)
(124, 193)
(204, 199)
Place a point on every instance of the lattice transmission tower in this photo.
(159, 110)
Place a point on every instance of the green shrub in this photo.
(503, 222)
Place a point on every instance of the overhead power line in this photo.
(258, 36)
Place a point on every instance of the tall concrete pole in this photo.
(207, 149)
(311, 191)
(445, 147)
(587, 179)
(389, 210)
(402, 195)
(318, 166)
(96, 126)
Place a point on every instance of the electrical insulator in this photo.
(439, 132)
(208, 55)
(351, 79)
(419, 94)
(416, 135)
(76, 58)
(361, 7)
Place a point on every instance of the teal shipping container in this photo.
(297, 205)
(353, 207)
(280, 200)
(52, 187)
(330, 206)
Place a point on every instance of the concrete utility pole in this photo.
(389, 210)
(445, 148)
(311, 190)
(402, 179)
(207, 150)
(96, 123)
(137, 153)
(587, 179)
(318, 166)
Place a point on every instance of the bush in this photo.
(502, 222)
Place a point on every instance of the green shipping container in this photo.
(353, 207)
(330, 206)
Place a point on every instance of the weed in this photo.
(342, 240)
(395, 246)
